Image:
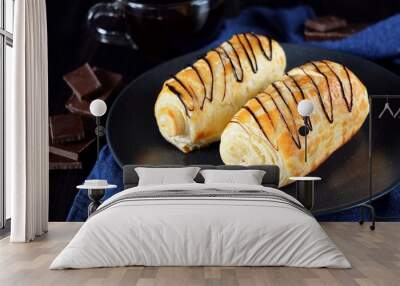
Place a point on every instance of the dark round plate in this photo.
(133, 135)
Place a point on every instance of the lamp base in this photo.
(100, 131)
(95, 195)
(303, 131)
(305, 193)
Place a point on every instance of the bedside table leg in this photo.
(93, 207)
(95, 196)
(305, 193)
(372, 210)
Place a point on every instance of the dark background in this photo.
(70, 45)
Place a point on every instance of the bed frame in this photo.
(271, 177)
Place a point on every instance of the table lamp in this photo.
(305, 108)
(98, 108)
(96, 191)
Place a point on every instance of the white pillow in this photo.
(247, 177)
(164, 176)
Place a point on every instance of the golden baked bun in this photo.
(196, 104)
(265, 130)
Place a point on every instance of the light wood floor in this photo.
(375, 257)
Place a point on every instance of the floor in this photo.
(375, 257)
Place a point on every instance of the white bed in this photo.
(267, 229)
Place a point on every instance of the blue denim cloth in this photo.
(105, 168)
(378, 42)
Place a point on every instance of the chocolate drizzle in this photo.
(265, 110)
(239, 77)
(202, 82)
(351, 87)
(297, 85)
(268, 57)
(330, 119)
(288, 88)
(178, 95)
(234, 60)
(252, 60)
(293, 94)
(296, 142)
(348, 104)
(190, 92)
(295, 134)
(223, 66)
(281, 96)
(259, 125)
(329, 91)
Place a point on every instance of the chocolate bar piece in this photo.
(61, 163)
(325, 24)
(108, 79)
(110, 84)
(337, 34)
(66, 128)
(83, 82)
(71, 150)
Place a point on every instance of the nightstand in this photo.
(305, 187)
(96, 190)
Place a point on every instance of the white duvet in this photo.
(200, 231)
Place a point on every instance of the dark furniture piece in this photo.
(95, 195)
(372, 137)
(270, 179)
(305, 190)
(96, 190)
(368, 204)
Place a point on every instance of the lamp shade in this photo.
(305, 107)
(98, 107)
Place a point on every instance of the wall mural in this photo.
(236, 101)
(201, 117)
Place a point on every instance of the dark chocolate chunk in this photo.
(109, 80)
(66, 128)
(71, 150)
(83, 82)
(111, 83)
(337, 34)
(325, 24)
(61, 163)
